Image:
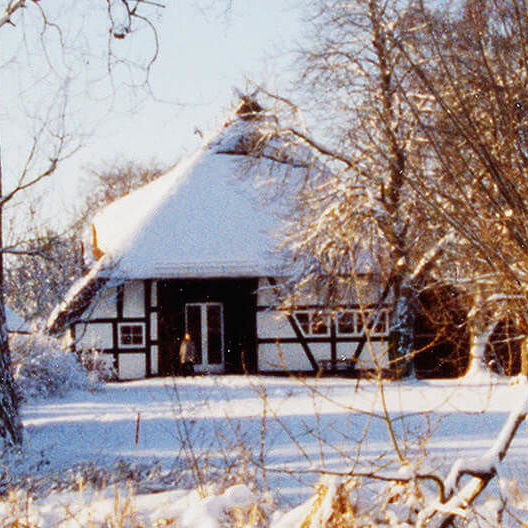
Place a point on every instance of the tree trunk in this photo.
(10, 424)
(401, 336)
(524, 345)
(479, 340)
(524, 358)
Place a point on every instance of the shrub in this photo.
(42, 368)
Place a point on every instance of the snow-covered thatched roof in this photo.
(214, 215)
(210, 216)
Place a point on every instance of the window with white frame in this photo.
(380, 323)
(131, 335)
(346, 323)
(355, 322)
(313, 323)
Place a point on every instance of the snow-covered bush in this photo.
(97, 369)
(43, 368)
(120, 507)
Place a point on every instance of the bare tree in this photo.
(43, 264)
(456, 93)
(471, 64)
(40, 269)
(365, 219)
(42, 30)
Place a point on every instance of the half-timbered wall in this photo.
(308, 338)
(122, 324)
(126, 325)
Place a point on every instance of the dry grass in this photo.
(251, 516)
(18, 511)
(331, 506)
(117, 507)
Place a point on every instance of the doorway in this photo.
(204, 321)
(225, 334)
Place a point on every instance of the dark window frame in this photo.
(131, 335)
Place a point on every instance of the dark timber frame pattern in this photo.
(120, 318)
(239, 296)
(300, 337)
(333, 339)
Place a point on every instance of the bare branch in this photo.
(11, 8)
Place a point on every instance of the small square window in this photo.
(357, 322)
(361, 319)
(319, 324)
(365, 321)
(381, 324)
(376, 323)
(345, 323)
(131, 335)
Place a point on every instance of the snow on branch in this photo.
(482, 471)
(10, 10)
(431, 254)
(320, 148)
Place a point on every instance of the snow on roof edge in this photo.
(75, 296)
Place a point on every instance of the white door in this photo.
(205, 323)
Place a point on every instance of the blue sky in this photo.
(207, 48)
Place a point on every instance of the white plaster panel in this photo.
(373, 356)
(134, 299)
(266, 294)
(273, 324)
(286, 356)
(105, 305)
(154, 326)
(154, 294)
(132, 366)
(320, 351)
(346, 350)
(94, 335)
(108, 360)
(154, 359)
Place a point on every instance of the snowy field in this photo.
(278, 432)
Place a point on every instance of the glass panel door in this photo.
(214, 334)
(193, 326)
(205, 323)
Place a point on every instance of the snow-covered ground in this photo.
(279, 431)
